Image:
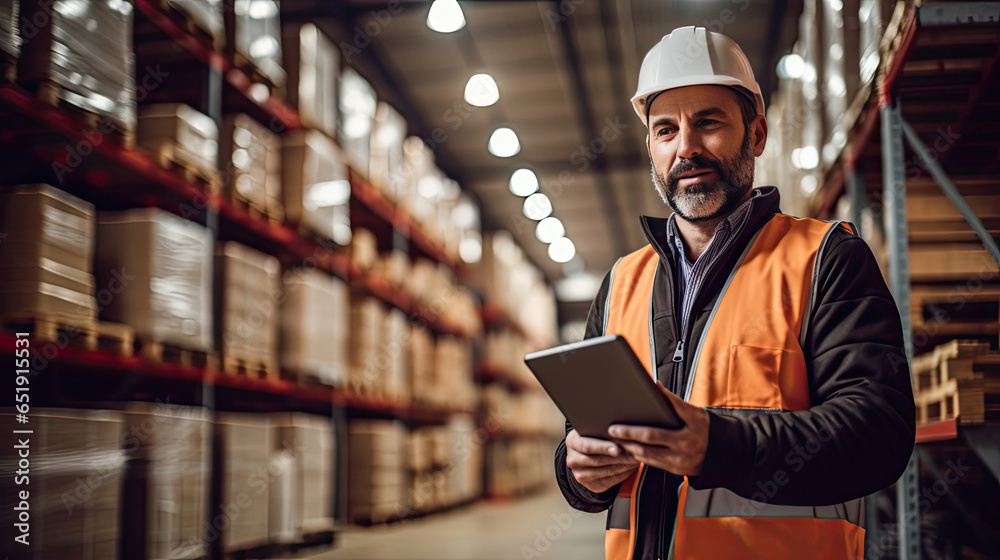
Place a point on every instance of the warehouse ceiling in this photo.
(565, 72)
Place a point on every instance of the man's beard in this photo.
(733, 179)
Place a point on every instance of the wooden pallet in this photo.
(165, 155)
(164, 353)
(958, 379)
(81, 333)
(257, 368)
(48, 93)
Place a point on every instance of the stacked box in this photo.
(75, 487)
(206, 15)
(462, 233)
(364, 249)
(453, 385)
(393, 368)
(84, 52)
(505, 350)
(10, 35)
(377, 491)
(422, 378)
(181, 134)
(250, 158)
(245, 441)
(253, 36)
(174, 442)
(357, 115)
(314, 326)
(530, 413)
(312, 62)
(394, 266)
(386, 160)
(316, 185)
(515, 466)
(248, 292)
(167, 264)
(423, 182)
(301, 498)
(466, 460)
(367, 360)
(46, 253)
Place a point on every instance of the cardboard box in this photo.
(246, 448)
(248, 291)
(313, 65)
(357, 115)
(10, 34)
(317, 192)
(250, 158)
(253, 34)
(174, 442)
(368, 359)
(43, 224)
(86, 53)
(167, 263)
(77, 469)
(364, 249)
(378, 487)
(206, 15)
(386, 159)
(315, 326)
(188, 137)
(302, 497)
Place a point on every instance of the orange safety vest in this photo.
(749, 360)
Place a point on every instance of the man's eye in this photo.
(709, 122)
(664, 131)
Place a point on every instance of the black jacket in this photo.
(859, 387)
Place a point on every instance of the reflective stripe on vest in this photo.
(748, 361)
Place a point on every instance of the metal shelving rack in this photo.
(939, 67)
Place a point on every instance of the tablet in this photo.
(599, 382)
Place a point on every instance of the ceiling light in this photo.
(537, 206)
(791, 66)
(523, 182)
(482, 91)
(503, 142)
(808, 158)
(464, 215)
(445, 16)
(562, 250)
(549, 230)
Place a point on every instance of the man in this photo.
(774, 338)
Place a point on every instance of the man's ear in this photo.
(759, 131)
(648, 153)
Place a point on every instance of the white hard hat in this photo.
(691, 56)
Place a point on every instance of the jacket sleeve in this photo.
(578, 496)
(858, 435)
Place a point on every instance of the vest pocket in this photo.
(754, 377)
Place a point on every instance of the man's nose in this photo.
(689, 143)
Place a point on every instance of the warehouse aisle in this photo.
(542, 526)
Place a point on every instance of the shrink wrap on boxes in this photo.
(180, 134)
(314, 332)
(246, 445)
(316, 186)
(250, 157)
(302, 493)
(377, 488)
(386, 160)
(253, 33)
(206, 15)
(357, 114)
(313, 65)
(167, 262)
(367, 362)
(248, 292)
(84, 50)
(46, 253)
(174, 443)
(10, 35)
(76, 474)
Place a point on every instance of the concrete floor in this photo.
(540, 526)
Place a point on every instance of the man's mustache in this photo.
(688, 165)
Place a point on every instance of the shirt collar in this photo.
(726, 227)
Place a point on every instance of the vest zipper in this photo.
(679, 351)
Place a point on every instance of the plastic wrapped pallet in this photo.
(453, 373)
(386, 160)
(246, 446)
(178, 133)
(250, 158)
(357, 114)
(422, 385)
(364, 249)
(10, 35)
(253, 36)
(168, 264)
(392, 360)
(75, 485)
(84, 51)
(206, 15)
(313, 64)
(376, 491)
(247, 296)
(302, 492)
(46, 253)
(317, 191)
(368, 361)
(314, 333)
(174, 443)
